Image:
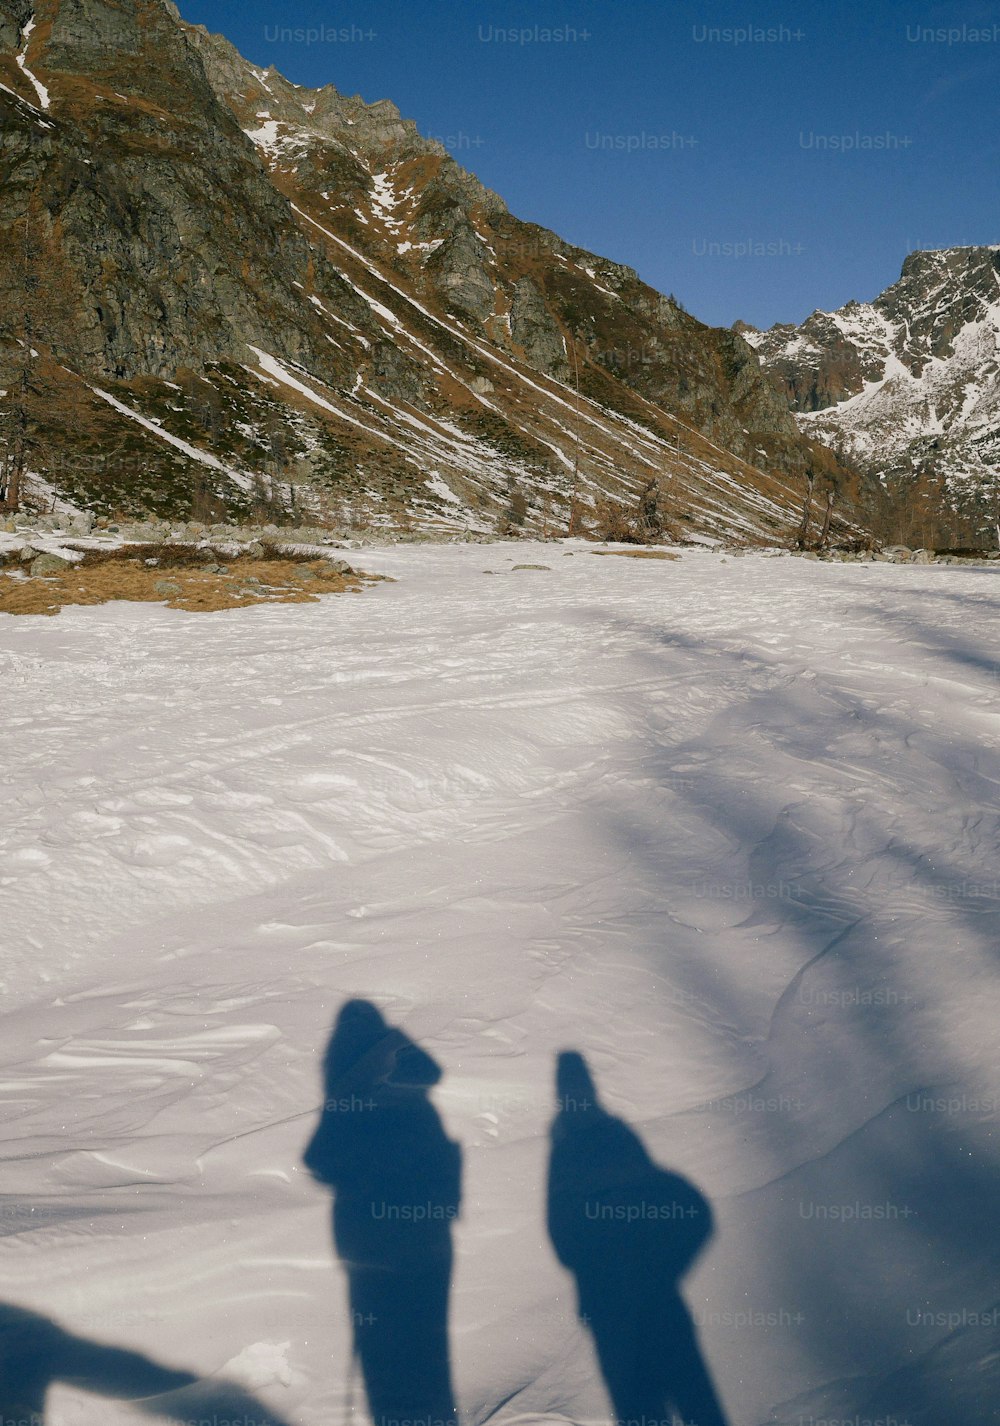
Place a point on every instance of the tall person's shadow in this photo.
(37, 1354)
(628, 1230)
(396, 1177)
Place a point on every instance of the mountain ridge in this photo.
(393, 336)
(907, 386)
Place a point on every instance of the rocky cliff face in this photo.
(905, 386)
(284, 294)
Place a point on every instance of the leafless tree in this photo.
(806, 510)
(44, 304)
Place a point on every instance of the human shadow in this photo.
(396, 1176)
(36, 1354)
(628, 1230)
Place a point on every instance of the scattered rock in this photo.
(50, 564)
(167, 587)
(532, 566)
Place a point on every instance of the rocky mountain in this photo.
(907, 386)
(221, 291)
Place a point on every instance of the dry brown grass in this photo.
(639, 554)
(103, 576)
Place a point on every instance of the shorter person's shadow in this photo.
(628, 1230)
(36, 1354)
(396, 1179)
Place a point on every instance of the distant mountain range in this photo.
(907, 387)
(220, 291)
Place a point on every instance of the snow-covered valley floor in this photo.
(728, 828)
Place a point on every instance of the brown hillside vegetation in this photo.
(197, 580)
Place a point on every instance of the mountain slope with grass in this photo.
(245, 296)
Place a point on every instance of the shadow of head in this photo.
(365, 1047)
(612, 1210)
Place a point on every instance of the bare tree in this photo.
(806, 510)
(44, 303)
(574, 524)
(516, 512)
(649, 523)
(17, 398)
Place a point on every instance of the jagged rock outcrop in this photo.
(907, 386)
(535, 331)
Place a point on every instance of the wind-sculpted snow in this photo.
(720, 833)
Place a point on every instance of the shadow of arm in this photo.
(158, 1390)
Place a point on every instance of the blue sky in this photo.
(757, 160)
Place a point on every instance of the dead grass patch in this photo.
(639, 554)
(236, 581)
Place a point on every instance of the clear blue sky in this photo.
(756, 178)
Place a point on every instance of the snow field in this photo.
(727, 827)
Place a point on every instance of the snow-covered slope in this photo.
(726, 827)
(908, 384)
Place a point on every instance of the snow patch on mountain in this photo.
(22, 64)
(907, 383)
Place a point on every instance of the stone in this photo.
(50, 564)
(167, 588)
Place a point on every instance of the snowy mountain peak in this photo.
(905, 385)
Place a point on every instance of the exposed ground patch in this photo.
(198, 579)
(639, 554)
